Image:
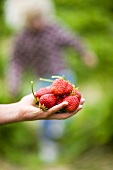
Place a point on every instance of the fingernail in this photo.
(83, 100)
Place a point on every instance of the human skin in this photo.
(26, 110)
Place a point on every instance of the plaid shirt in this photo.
(41, 51)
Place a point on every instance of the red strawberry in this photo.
(59, 99)
(61, 87)
(42, 91)
(76, 93)
(73, 103)
(47, 100)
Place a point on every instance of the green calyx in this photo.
(43, 107)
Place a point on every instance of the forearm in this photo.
(9, 113)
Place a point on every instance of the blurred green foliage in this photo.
(92, 127)
(15, 141)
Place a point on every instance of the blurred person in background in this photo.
(38, 47)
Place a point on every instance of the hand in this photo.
(29, 110)
(90, 59)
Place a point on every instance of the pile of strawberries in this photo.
(60, 90)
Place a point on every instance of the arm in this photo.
(14, 77)
(14, 70)
(8, 113)
(68, 38)
(26, 110)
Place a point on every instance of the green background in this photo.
(88, 139)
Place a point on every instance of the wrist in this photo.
(15, 113)
(19, 117)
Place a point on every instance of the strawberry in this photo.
(73, 103)
(76, 93)
(47, 100)
(59, 91)
(59, 99)
(42, 91)
(61, 87)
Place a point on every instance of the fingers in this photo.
(82, 101)
(62, 116)
(67, 115)
(51, 113)
(62, 105)
(56, 108)
(28, 99)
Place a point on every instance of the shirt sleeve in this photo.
(14, 69)
(68, 38)
(14, 78)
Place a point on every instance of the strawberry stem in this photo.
(56, 77)
(47, 80)
(32, 88)
(61, 77)
(33, 91)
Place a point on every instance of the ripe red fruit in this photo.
(59, 99)
(61, 87)
(47, 100)
(42, 91)
(76, 93)
(73, 103)
(59, 91)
